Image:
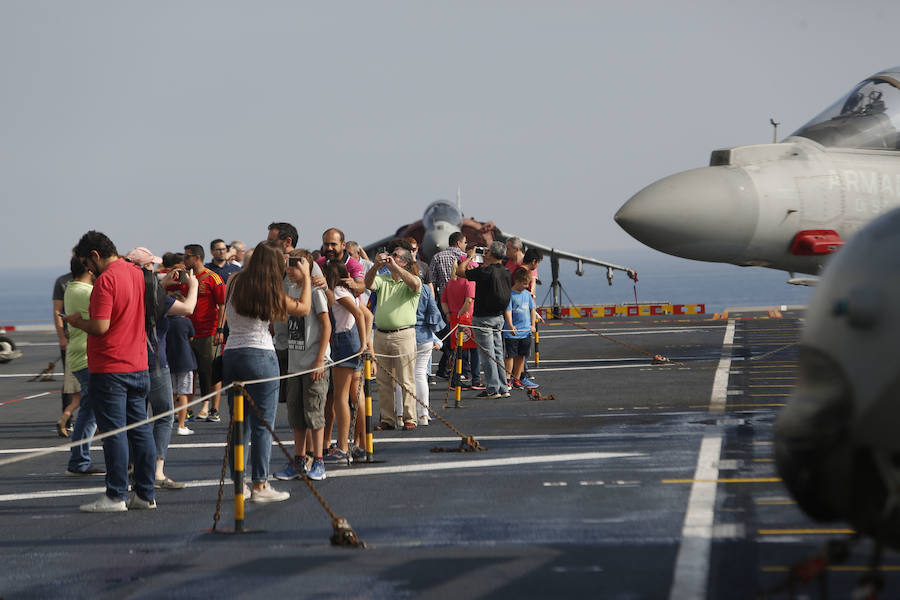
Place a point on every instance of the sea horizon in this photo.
(25, 298)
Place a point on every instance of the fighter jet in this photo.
(442, 218)
(786, 205)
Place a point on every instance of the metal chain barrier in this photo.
(467, 442)
(658, 359)
(343, 534)
(218, 513)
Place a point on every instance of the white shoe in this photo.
(185, 431)
(138, 503)
(423, 421)
(268, 494)
(104, 504)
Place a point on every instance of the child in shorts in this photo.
(182, 364)
(520, 317)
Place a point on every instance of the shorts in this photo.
(515, 347)
(70, 384)
(344, 344)
(306, 401)
(183, 383)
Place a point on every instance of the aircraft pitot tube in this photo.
(836, 442)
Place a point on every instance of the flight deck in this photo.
(637, 480)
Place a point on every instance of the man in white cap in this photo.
(160, 399)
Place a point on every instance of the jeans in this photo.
(85, 426)
(491, 345)
(159, 400)
(119, 399)
(247, 364)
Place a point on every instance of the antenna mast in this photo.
(775, 125)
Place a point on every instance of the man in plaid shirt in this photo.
(442, 266)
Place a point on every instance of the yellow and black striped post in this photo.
(237, 438)
(537, 343)
(459, 351)
(370, 443)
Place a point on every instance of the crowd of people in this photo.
(142, 334)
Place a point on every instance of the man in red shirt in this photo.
(119, 380)
(209, 325)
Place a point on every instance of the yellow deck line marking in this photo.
(727, 480)
(806, 531)
(746, 405)
(774, 502)
(841, 568)
(763, 460)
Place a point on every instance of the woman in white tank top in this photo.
(255, 297)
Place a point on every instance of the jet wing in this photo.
(577, 258)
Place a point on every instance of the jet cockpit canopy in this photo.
(867, 117)
(441, 211)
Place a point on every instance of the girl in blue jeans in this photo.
(255, 297)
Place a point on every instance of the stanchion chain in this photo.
(658, 359)
(452, 373)
(343, 534)
(46, 374)
(467, 442)
(218, 514)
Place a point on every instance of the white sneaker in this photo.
(268, 494)
(185, 431)
(104, 504)
(138, 503)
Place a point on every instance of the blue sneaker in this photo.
(336, 456)
(357, 453)
(529, 384)
(289, 472)
(317, 470)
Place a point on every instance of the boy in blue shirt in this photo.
(520, 317)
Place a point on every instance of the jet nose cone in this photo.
(704, 214)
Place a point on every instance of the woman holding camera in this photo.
(254, 298)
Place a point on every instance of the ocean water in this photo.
(25, 293)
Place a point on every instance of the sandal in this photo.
(384, 426)
(61, 426)
(168, 484)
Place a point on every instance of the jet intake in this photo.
(816, 242)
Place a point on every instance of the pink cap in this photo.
(142, 257)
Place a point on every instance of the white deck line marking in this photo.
(358, 471)
(691, 577)
(620, 332)
(404, 440)
(720, 381)
(5, 375)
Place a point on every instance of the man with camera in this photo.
(492, 292)
(395, 335)
(209, 325)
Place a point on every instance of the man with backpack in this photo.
(119, 378)
(492, 292)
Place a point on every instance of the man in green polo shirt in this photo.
(395, 334)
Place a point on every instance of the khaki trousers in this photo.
(401, 347)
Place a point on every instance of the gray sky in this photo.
(167, 122)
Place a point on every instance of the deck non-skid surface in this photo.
(594, 493)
